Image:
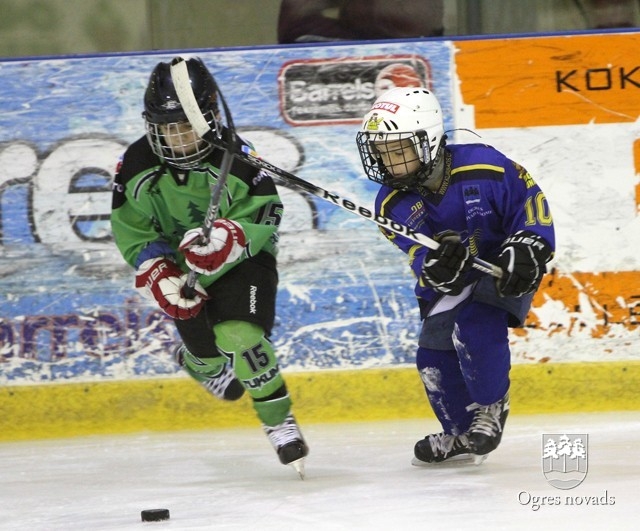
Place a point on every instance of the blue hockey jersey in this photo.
(484, 196)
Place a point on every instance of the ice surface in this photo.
(358, 476)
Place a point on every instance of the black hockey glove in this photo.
(444, 268)
(522, 260)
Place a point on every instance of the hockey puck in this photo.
(154, 515)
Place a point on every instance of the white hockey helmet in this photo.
(398, 114)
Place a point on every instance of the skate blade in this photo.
(478, 459)
(457, 460)
(298, 466)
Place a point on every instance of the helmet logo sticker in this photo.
(170, 105)
(386, 106)
(373, 122)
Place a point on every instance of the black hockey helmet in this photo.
(165, 117)
(161, 103)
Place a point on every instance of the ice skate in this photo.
(439, 447)
(223, 385)
(288, 443)
(486, 428)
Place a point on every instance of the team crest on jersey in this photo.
(565, 459)
(471, 194)
(524, 175)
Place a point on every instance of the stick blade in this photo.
(182, 84)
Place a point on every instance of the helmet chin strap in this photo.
(431, 177)
(437, 168)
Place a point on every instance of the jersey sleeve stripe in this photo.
(482, 167)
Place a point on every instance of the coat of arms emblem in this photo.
(565, 459)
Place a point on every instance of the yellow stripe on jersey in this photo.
(472, 167)
(386, 200)
(412, 257)
(390, 235)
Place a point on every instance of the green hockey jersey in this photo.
(154, 204)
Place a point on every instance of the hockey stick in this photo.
(201, 127)
(182, 84)
(290, 179)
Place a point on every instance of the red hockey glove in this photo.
(226, 243)
(161, 280)
(522, 261)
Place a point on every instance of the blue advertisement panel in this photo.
(68, 309)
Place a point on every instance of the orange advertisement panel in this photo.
(598, 303)
(559, 80)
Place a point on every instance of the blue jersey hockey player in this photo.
(477, 203)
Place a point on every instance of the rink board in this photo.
(81, 352)
(565, 107)
(65, 410)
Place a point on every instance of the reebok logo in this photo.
(253, 298)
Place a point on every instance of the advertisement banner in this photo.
(68, 308)
(568, 109)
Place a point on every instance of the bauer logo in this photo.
(318, 92)
(565, 459)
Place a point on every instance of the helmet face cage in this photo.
(371, 146)
(413, 117)
(168, 130)
(178, 144)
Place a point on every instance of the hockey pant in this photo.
(467, 365)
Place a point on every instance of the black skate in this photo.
(486, 428)
(223, 385)
(288, 443)
(439, 447)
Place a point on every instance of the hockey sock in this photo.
(481, 339)
(255, 365)
(274, 409)
(445, 387)
(202, 369)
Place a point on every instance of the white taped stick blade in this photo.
(182, 83)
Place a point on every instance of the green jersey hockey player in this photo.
(161, 195)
